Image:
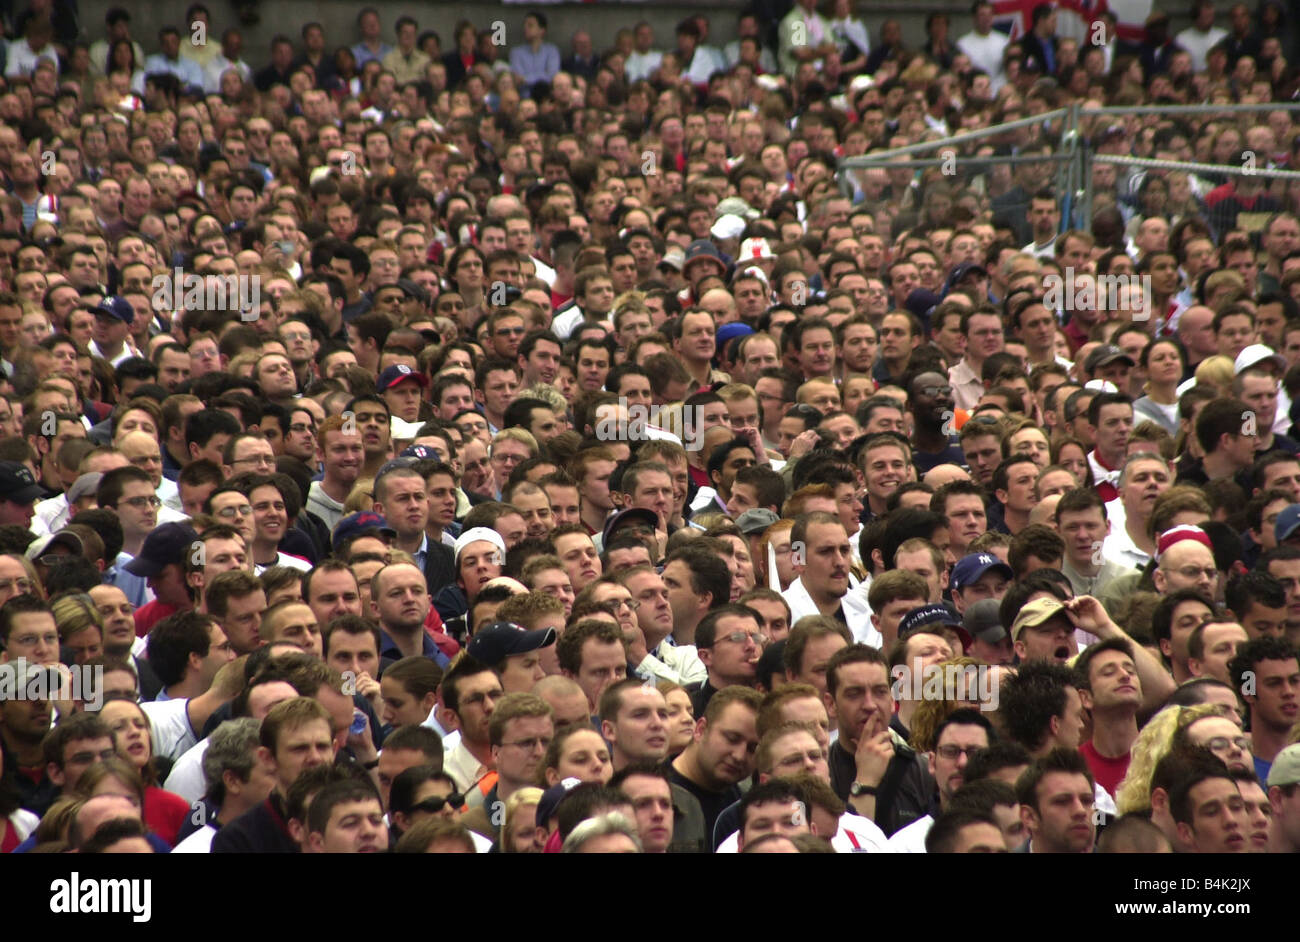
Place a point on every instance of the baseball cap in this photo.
(921, 618)
(753, 522)
(17, 483)
(353, 525)
(728, 332)
(629, 515)
(116, 307)
(476, 534)
(422, 452)
(970, 569)
(1038, 613)
(673, 257)
(167, 544)
(1105, 355)
(963, 269)
(84, 486)
(1288, 522)
(397, 373)
(983, 621)
(735, 206)
(920, 301)
(1286, 767)
(412, 290)
(1256, 354)
(551, 798)
(493, 643)
(62, 538)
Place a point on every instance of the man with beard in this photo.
(929, 395)
(962, 734)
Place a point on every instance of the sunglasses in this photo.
(434, 804)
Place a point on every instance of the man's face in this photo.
(301, 748)
(885, 468)
(862, 701)
(1083, 531)
(951, 753)
(1115, 682)
(580, 559)
(297, 624)
(523, 748)
(1219, 819)
(827, 557)
(652, 800)
(1052, 641)
(1062, 822)
(355, 653)
(640, 730)
(333, 593)
(1187, 565)
(79, 755)
(1220, 642)
(478, 696)
(33, 636)
(1276, 702)
(967, 520)
(726, 747)
(603, 663)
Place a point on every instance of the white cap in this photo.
(1256, 354)
(728, 227)
(755, 248)
(1101, 385)
(480, 534)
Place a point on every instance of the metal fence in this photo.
(1073, 153)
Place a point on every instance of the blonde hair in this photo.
(361, 497)
(930, 713)
(1154, 742)
(520, 799)
(1216, 372)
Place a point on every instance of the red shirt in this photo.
(164, 813)
(146, 616)
(1108, 772)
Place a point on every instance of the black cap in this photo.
(17, 483)
(630, 515)
(493, 643)
(169, 543)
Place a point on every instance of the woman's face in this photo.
(130, 731)
(1164, 364)
(681, 721)
(1074, 460)
(584, 757)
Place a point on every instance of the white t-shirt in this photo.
(856, 835)
(172, 733)
(911, 839)
(200, 842)
(186, 777)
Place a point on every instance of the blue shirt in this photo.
(187, 70)
(388, 648)
(539, 66)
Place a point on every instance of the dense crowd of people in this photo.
(453, 443)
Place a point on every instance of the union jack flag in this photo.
(1016, 17)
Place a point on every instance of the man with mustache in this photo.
(822, 555)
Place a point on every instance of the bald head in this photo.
(98, 811)
(942, 474)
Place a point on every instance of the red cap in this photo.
(1177, 534)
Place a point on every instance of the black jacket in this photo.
(263, 830)
(904, 793)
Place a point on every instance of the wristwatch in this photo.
(857, 789)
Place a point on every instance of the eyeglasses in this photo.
(933, 391)
(951, 752)
(85, 758)
(744, 637)
(23, 585)
(528, 745)
(1221, 743)
(1193, 572)
(435, 803)
(301, 427)
(613, 605)
(141, 502)
(229, 513)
